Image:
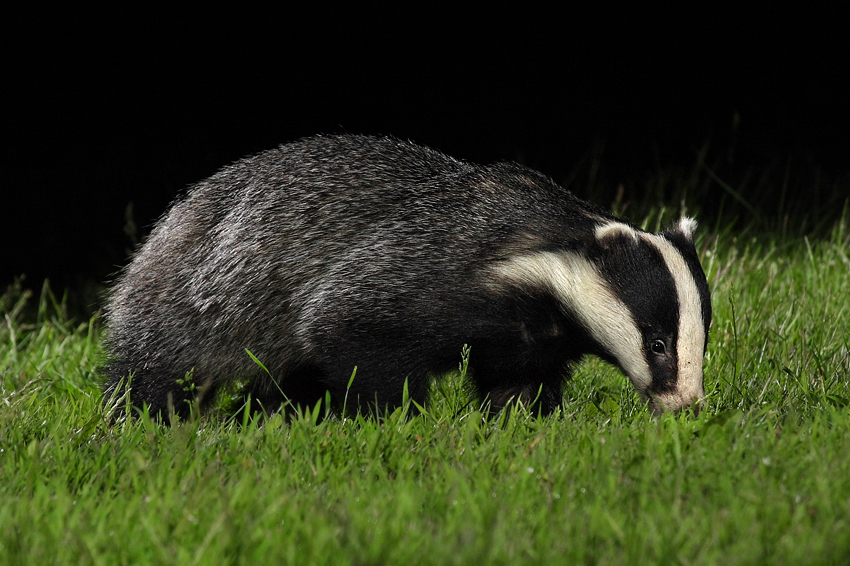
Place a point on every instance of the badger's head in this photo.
(656, 328)
(642, 299)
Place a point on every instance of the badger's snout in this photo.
(677, 401)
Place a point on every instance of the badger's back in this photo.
(344, 251)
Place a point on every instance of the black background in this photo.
(110, 108)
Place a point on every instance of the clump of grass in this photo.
(781, 314)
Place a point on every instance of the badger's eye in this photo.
(658, 347)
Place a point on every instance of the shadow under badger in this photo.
(341, 251)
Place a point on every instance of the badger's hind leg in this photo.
(163, 392)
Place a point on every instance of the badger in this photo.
(339, 252)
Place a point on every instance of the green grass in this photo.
(761, 477)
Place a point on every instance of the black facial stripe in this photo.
(642, 280)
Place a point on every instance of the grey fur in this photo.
(342, 251)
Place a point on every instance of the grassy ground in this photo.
(761, 477)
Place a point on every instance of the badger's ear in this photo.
(614, 233)
(685, 227)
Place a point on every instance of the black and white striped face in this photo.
(659, 280)
(643, 300)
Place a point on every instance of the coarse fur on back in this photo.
(341, 251)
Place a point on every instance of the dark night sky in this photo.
(110, 108)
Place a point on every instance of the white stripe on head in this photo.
(585, 293)
(691, 342)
